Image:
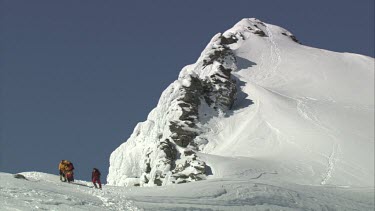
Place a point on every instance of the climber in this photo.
(66, 171)
(62, 165)
(69, 175)
(95, 177)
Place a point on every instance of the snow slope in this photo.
(312, 115)
(304, 114)
(45, 192)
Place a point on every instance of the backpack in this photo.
(97, 171)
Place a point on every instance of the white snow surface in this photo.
(300, 136)
(312, 112)
(305, 113)
(43, 191)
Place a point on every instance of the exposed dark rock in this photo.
(221, 90)
(19, 176)
(183, 140)
(256, 30)
(147, 164)
(196, 177)
(260, 33)
(218, 90)
(148, 168)
(144, 178)
(291, 37)
(168, 148)
(158, 178)
(217, 55)
(295, 39)
(222, 52)
(189, 169)
(189, 104)
(188, 152)
(229, 40)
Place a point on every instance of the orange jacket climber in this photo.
(66, 171)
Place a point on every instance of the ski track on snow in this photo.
(274, 54)
(304, 111)
(310, 116)
(259, 78)
(110, 199)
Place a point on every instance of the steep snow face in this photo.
(299, 114)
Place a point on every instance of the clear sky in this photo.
(77, 76)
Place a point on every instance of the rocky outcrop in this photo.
(162, 150)
(184, 129)
(156, 174)
(217, 90)
(188, 168)
(291, 36)
(256, 30)
(210, 82)
(19, 176)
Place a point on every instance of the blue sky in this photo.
(77, 76)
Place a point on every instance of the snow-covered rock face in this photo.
(301, 114)
(160, 149)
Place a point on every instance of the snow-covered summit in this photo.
(272, 105)
(248, 26)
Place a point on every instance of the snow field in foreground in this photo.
(45, 192)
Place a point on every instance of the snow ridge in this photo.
(256, 92)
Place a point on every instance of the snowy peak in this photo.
(251, 26)
(293, 112)
(175, 124)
